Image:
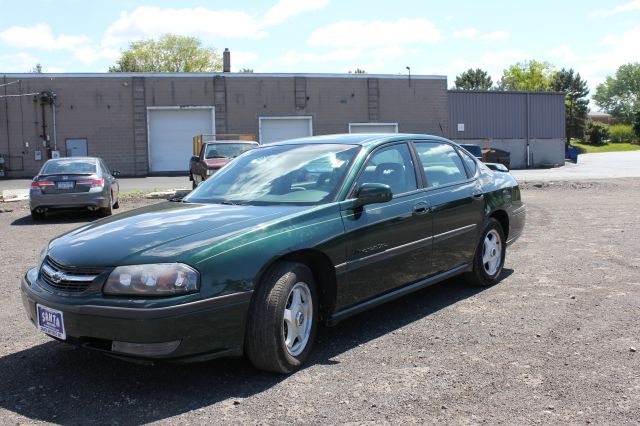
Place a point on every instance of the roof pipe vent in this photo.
(226, 60)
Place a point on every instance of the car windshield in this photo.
(284, 174)
(66, 166)
(227, 150)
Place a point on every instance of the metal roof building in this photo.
(530, 125)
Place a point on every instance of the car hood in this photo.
(124, 238)
(216, 163)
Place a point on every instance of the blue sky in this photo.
(331, 36)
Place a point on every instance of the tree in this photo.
(246, 70)
(37, 69)
(170, 53)
(528, 75)
(620, 95)
(474, 80)
(357, 71)
(636, 125)
(577, 105)
(597, 133)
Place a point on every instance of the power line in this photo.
(9, 83)
(18, 95)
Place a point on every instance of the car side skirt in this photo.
(336, 317)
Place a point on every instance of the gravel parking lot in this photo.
(554, 342)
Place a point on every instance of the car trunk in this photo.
(68, 183)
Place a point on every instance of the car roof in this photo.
(73, 159)
(363, 139)
(230, 141)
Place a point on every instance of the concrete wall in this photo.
(110, 110)
(542, 152)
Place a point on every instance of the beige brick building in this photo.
(143, 123)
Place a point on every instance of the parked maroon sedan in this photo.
(214, 155)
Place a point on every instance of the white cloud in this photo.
(294, 57)
(466, 33)
(495, 35)
(375, 33)
(242, 59)
(285, 9)
(151, 22)
(626, 7)
(18, 62)
(40, 36)
(617, 50)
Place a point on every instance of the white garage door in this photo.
(373, 127)
(171, 133)
(274, 129)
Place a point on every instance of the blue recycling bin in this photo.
(572, 153)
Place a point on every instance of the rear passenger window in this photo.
(470, 162)
(442, 164)
(392, 166)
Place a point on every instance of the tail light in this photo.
(95, 183)
(39, 184)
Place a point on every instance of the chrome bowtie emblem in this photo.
(57, 277)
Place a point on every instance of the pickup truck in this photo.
(212, 156)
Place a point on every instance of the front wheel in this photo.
(283, 318)
(489, 258)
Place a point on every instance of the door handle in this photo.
(478, 195)
(421, 208)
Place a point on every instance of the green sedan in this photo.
(284, 237)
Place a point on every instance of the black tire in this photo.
(107, 211)
(264, 340)
(37, 216)
(481, 275)
(117, 204)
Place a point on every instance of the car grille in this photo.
(65, 278)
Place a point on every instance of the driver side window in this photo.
(391, 166)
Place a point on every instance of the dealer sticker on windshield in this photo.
(51, 321)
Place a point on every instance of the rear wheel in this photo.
(107, 211)
(283, 319)
(490, 254)
(36, 215)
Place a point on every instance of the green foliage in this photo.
(357, 71)
(620, 95)
(586, 148)
(246, 70)
(576, 101)
(37, 69)
(528, 75)
(474, 80)
(621, 133)
(597, 133)
(170, 53)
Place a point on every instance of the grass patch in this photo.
(586, 148)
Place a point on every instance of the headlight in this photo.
(162, 279)
(211, 171)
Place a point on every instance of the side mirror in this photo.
(497, 167)
(115, 173)
(194, 159)
(372, 193)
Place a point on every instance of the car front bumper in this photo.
(69, 200)
(204, 329)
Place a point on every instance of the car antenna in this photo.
(441, 131)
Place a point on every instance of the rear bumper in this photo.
(69, 200)
(205, 329)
